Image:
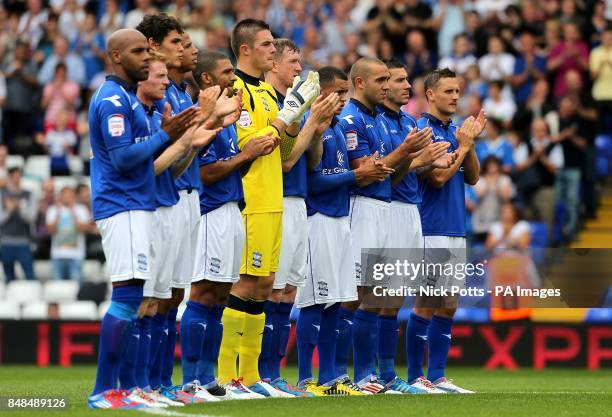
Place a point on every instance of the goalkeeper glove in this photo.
(299, 98)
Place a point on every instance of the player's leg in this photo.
(127, 245)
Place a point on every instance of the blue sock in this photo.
(387, 346)
(438, 342)
(127, 367)
(266, 340)
(168, 358)
(280, 338)
(115, 334)
(193, 327)
(364, 333)
(345, 341)
(416, 341)
(328, 338)
(142, 362)
(307, 333)
(211, 346)
(158, 341)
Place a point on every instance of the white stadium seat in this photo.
(22, 291)
(43, 270)
(60, 291)
(76, 164)
(13, 161)
(102, 308)
(2, 288)
(9, 310)
(33, 185)
(37, 166)
(78, 310)
(92, 271)
(36, 310)
(64, 181)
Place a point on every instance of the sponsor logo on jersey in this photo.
(351, 140)
(340, 157)
(116, 125)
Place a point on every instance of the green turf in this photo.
(553, 393)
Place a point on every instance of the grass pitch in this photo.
(554, 393)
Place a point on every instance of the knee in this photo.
(202, 293)
(426, 313)
(276, 295)
(289, 294)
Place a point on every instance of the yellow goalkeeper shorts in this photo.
(263, 243)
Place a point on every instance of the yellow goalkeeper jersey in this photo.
(263, 183)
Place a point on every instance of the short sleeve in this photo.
(114, 113)
(208, 156)
(357, 143)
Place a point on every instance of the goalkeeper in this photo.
(243, 319)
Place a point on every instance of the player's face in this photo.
(399, 87)
(445, 95)
(223, 75)
(288, 67)
(172, 48)
(377, 84)
(190, 54)
(154, 88)
(135, 60)
(340, 87)
(262, 52)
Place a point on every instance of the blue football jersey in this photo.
(399, 124)
(180, 100)
(442, 209)
(223, 147)
(329, 183)
(166, 193)
(294, 181)
(365, 135)
(117, 119)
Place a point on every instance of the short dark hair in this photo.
(244, 32)
(394, 63)
(497, 83)
(207, 62)
(328, 74)
(432, 79)
(158, 26)
(282, 45)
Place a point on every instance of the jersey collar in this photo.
(280, 98)
(362, 107)
(249, 79)
(433, 119)
(388, 112)
(181, 86)
(127, 86)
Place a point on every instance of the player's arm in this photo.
(368, 172)
(213, 170)
(197, 137)
(169, 157)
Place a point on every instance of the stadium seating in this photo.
(475, 315)
(37, 166)
(92, 271)
(33, 185)
(22, 291)
(2, 289)
(76, 164)
(9, 310)
(78, 310)
(599, 315)
(60, 291)
(102, 308)
(64, 181)
(43, 270)
(13, 161)
(38, 310)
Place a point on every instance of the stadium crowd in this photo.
(542, 70)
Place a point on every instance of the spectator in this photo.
(2, 97)
(44, 49)
(15, 227)
(386, 16)
(462, 56)
(59, 142)
(313, 56)
(3, 167)
(510, 232)
(493, 189)
(89, 44)
(499, 106)
(113, 18)
(571, 13)
(180, 9)
(497, 64)
(418, 16)
(419, 60)
(528, 68)
(598, 22)
(75, 68)
(574, 141)
(134, 16)
(538, 105)
(68, 222)
(32, 21)
(60, 94)
(494, 144)
(21, 87)
(337, 27)
(41, 231)
(570, 54)
(475, 83)
(449, 22)
(600, 64)
(417, 103)
(71, 19)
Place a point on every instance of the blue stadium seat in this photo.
(599, 315)
(539, 234)
(475, 315)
